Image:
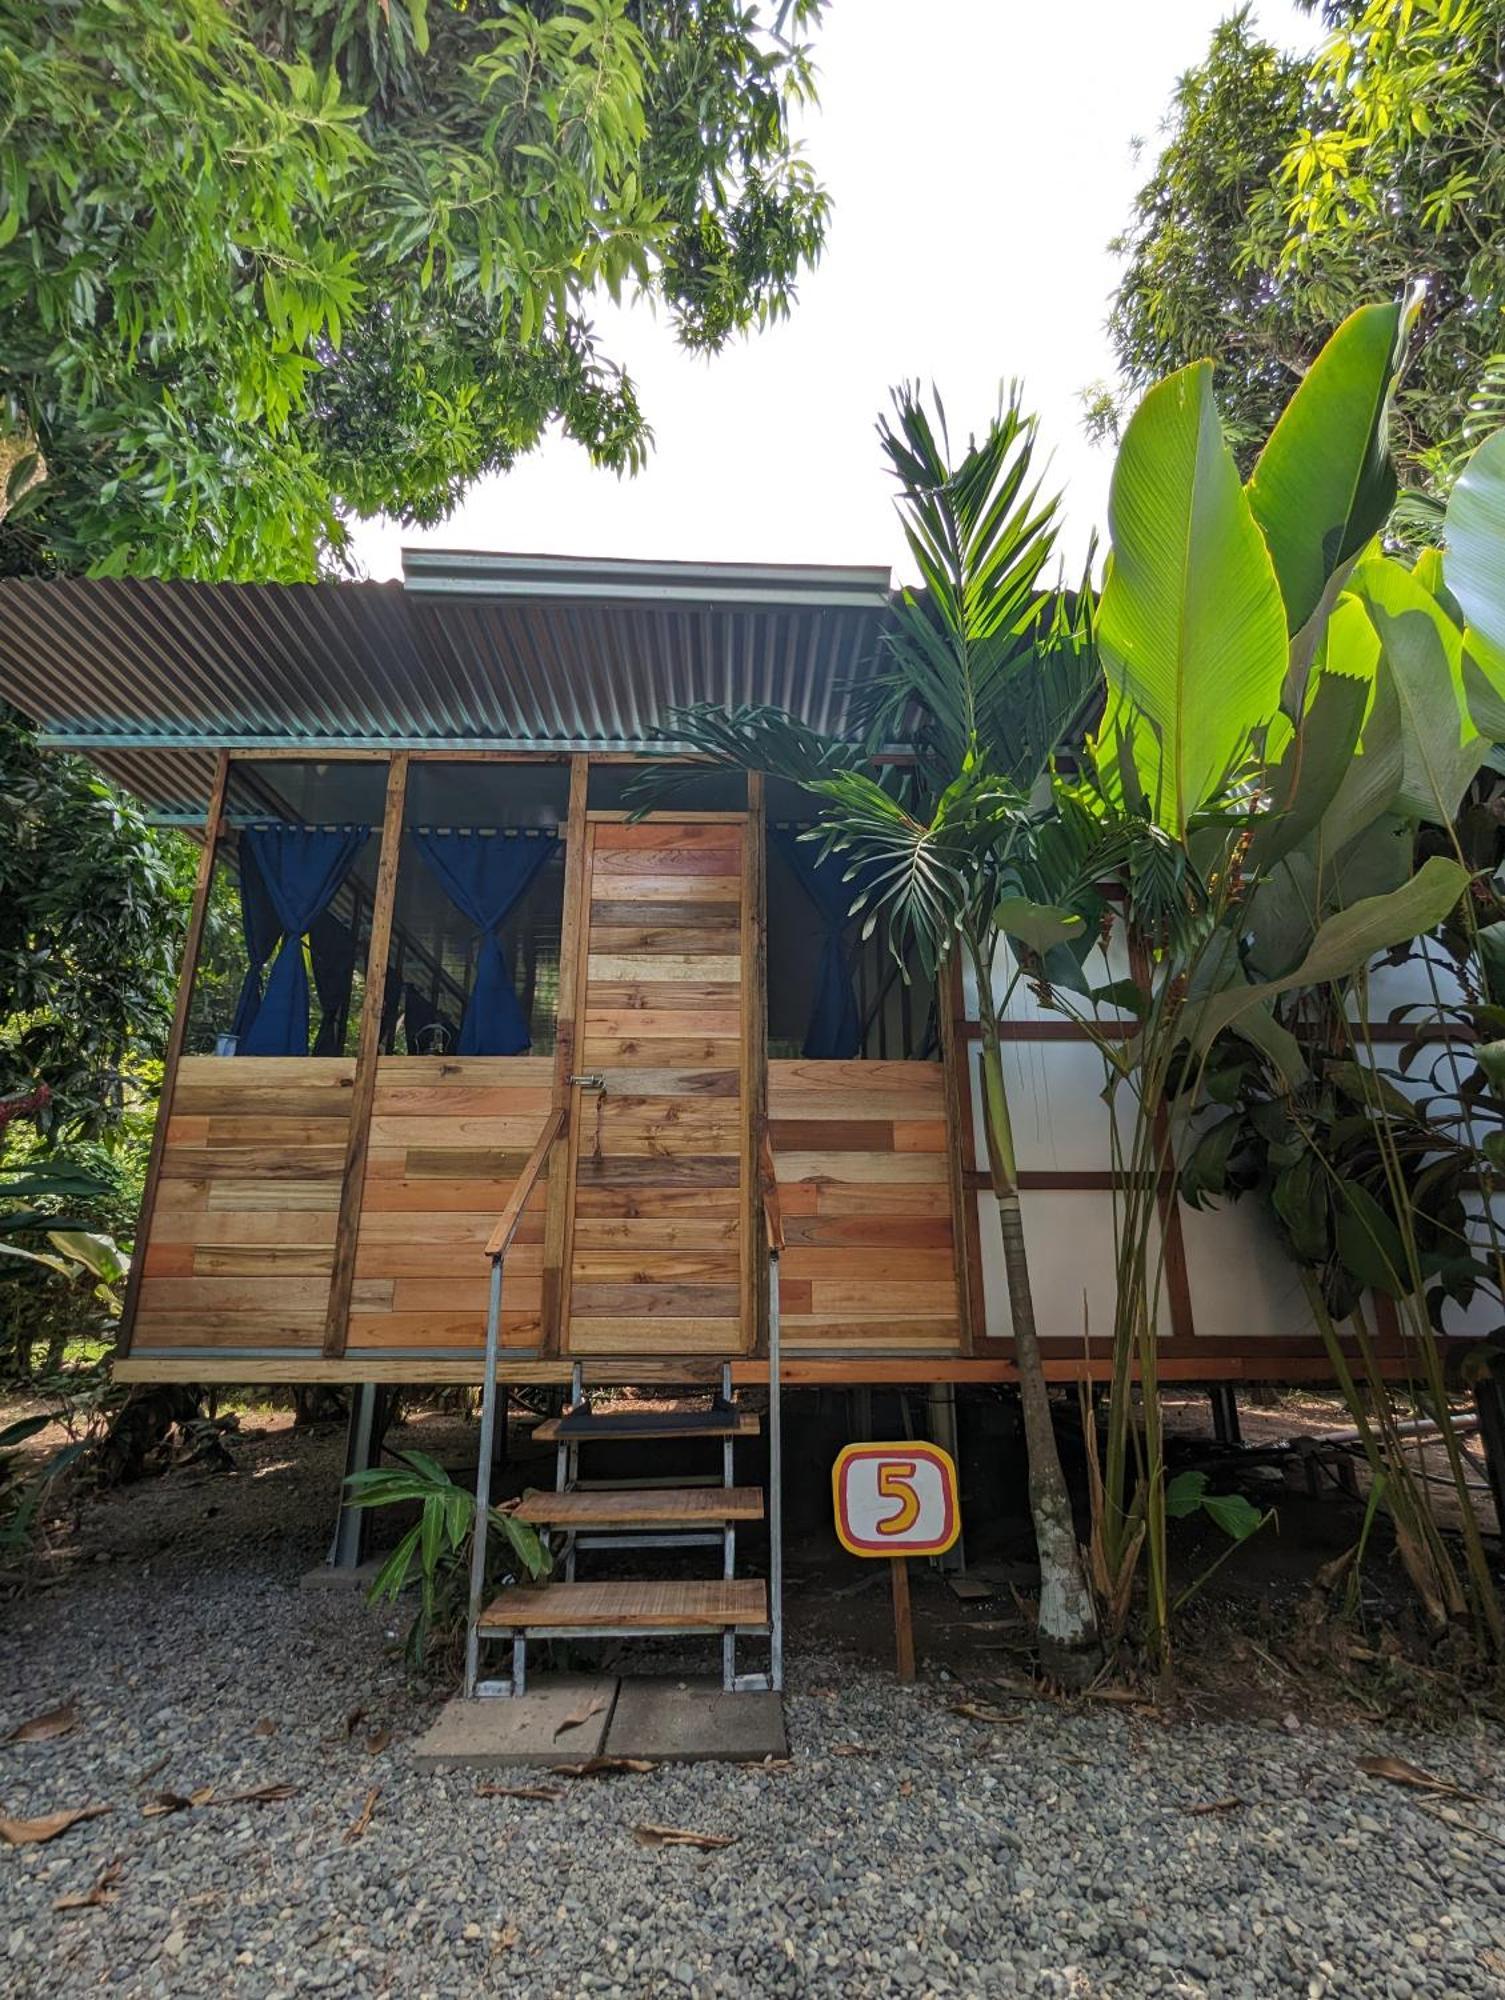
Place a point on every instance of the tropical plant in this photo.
(983, 672)
(92, 908)
(437, 1544)
(44, 1239)
(23, 1491)
(266, 267)
(1287, 708)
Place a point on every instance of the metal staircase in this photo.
(659, 1513)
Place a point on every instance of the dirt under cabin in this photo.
(476, 1076)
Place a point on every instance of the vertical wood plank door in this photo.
(657, 1256)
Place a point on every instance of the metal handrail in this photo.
(497, 1245)
(773, 1226)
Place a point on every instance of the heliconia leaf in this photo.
(1317, 759)
(1345, 943)
(1324, 483)
(1474, 564)
(1191, 627)
(1423, 652)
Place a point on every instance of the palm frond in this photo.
(749, 738)
(982, 660)
(920, 880)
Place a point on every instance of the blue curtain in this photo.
(835, 1026)
(260, 929)
(485, 876)
(301, 868)
(331, 954)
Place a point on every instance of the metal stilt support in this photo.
(1489, 1402)
(483, 1479)
(1225, 1424)
(943, 1431)
(362, 1443)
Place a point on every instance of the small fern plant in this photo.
(438, 1544)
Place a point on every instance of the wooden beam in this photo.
(193, 939)
(368, 1053)
(574, 921)
(796, 1371)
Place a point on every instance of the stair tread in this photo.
(642, 1605)
(669, 1506)
(740, 1423)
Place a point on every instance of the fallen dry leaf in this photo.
(30, 1832)
(507, 1937)
(174, 1802)
(358, 1826)
(774, 1764)
(158, 1764)
(582, 1715)
(165, 1802)
(43, 1728)
(906, 1789)
(377, 1741)
(1396, 1771)
(853, 1750)
(265, 1727)
(979, 1711)
(99, 1897)
(519, 1791)
(1230, 1804)
(259, 1795)
(678, 1836)
(601, 1767)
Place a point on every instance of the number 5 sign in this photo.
(895, 1500)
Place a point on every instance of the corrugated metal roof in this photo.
(151, 679)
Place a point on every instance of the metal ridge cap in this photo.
(478, 573)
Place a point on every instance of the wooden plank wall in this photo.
(860, 1153)
(449, 1136)
(241, 1239)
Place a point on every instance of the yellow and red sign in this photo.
(895, 1500)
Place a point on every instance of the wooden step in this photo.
(670, 1507)
(718, 1424)
(631, 1607)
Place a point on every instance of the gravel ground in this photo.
(907, 1849)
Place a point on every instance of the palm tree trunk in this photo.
(1070, 1648)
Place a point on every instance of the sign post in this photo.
(896, 1501)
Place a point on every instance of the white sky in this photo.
(979, 157)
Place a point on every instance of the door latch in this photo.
(590, 1079)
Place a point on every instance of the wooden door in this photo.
(657, 1252)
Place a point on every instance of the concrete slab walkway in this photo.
(568, 1718)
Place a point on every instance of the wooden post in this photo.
(903, 1623)
(192, 940)
(362, 1096)
(574, 929)
(961, 1155)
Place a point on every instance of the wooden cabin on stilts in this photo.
(475, 1077)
